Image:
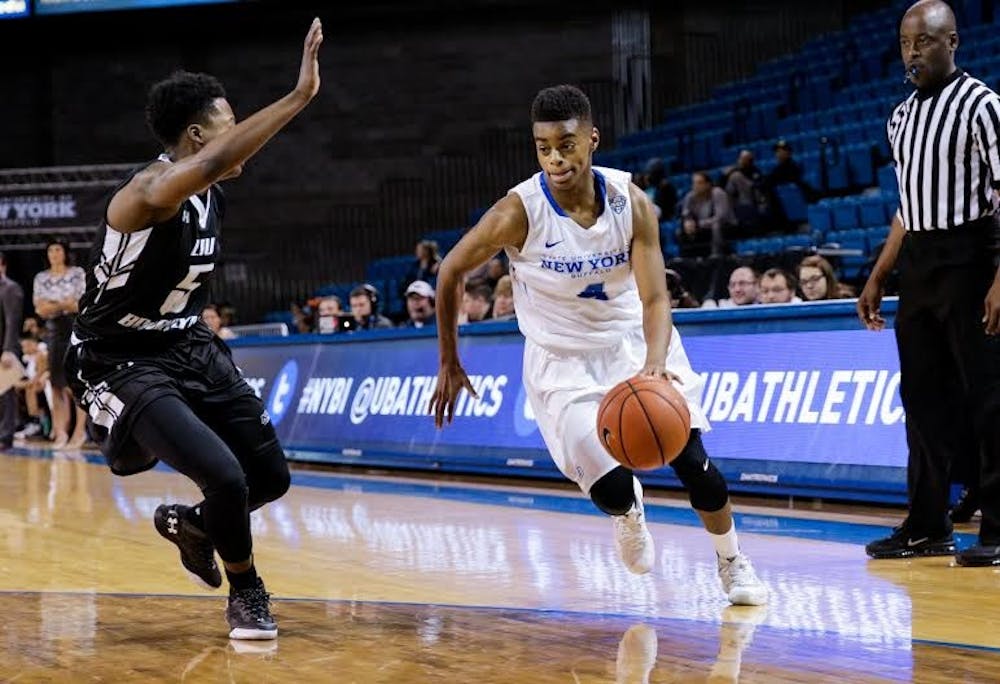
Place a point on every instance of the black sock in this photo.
(242, 580)
(193, 516)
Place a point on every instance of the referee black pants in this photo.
(950, 385)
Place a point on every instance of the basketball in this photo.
(644, 422)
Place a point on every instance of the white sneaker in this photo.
(636, 655)
(632, 537)
(740, 582)
(29, 431)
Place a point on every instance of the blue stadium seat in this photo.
(747, 246)
(793, 202)
(845, 215)
(850, 266)
(819, 217)
(876, 236)
(859, 160)
(797, 241)
(887, 179)
(871, 212)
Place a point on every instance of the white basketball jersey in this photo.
(573, 286)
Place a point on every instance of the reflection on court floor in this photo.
(387, 579)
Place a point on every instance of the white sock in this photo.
(726, 545)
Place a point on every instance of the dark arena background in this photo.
(407, 553)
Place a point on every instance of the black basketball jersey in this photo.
(150, 287)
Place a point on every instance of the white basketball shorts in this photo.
(565, 389)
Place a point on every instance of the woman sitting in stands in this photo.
(818, 281)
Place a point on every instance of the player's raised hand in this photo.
(451, 381)
(308, 84)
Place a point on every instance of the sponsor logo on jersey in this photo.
(617, 203)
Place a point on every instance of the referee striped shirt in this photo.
(944, 144)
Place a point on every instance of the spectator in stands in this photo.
(503, 300)
(496, 268)
(743, 290)
(426, 264)
(660, 189)
(210, 314)
(707, 215)
(34, 356)
(490, 272)
(744, 185)
(476, 301)
(364, 307)
(787, 170)
(303, 316)
(680, 298)
(33, 326)
(777, 286)
(11, 311)
(55, 294)
(328, 311)
(818, 281)
(420, 305)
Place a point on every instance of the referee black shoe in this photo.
(903, 543)
(197, 552)
(980, 555)
(965, 507)
(249, 613)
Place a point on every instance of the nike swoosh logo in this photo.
(915, 542)
(552, 244)
(705, 467)
(607, 436)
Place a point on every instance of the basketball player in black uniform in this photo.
(154, 380)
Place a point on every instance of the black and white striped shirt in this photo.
(944, 144)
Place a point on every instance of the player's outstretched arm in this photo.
(506, 223)
(149, 194)
(650, 277)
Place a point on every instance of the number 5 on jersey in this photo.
(177, 300)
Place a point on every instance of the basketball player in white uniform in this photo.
(591, 299)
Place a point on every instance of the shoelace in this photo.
(255, 601)
(736, 570)
(633, 524)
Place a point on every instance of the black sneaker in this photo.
(965, 507)
(249, 613)
(980, 555)
(903, 544)
(197, 552)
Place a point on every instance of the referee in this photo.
(944, 144)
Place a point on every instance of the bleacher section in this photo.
(829, 101)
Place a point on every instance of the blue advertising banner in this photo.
(789, 410)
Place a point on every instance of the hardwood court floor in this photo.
(395, 580)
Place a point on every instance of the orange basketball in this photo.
(644, 422)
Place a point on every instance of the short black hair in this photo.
(179, 100)
(560, 103)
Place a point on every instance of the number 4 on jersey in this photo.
(594, 291)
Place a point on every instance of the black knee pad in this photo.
(613, 493)
(706, 487)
